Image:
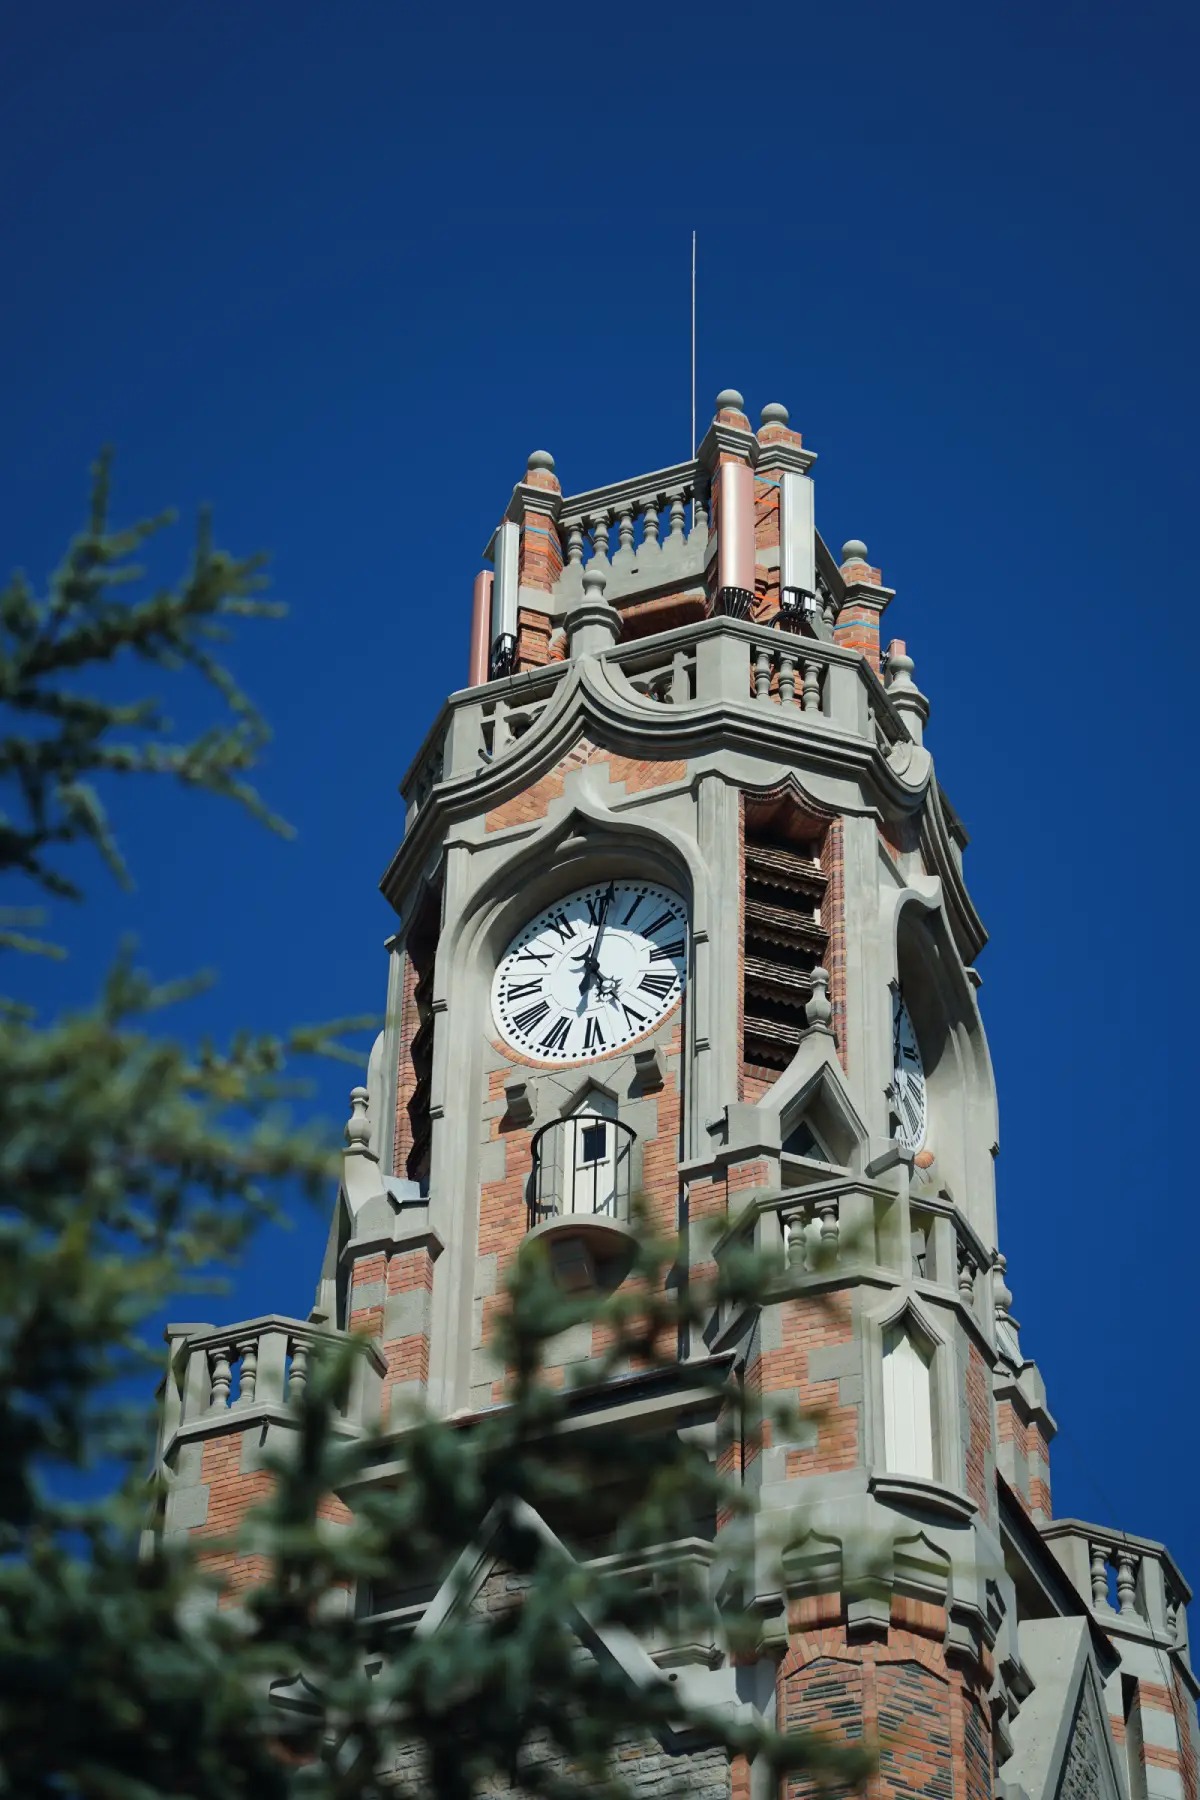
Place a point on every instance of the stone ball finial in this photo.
(541, 459)
(358, 1128)
(819, 1010)
(594, 581)
(1000, 1288)
(774, 413)
(729, 400)
(854, 550)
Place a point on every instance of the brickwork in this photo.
(534, 630)
(926, 1718)
(980, 1462)
(231, 1495)
(1183, 1708)
(409, 1272)
(805, 1324)
(541, 559)
(666, 612)
(637, 775)
(406, 1075)
(1023, 1457)
(857, 624)
(900, 837)
(833, 918)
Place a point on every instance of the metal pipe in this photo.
(735, 535)
(481, 619)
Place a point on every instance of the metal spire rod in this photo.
(693, 346)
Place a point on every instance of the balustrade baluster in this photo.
(575, 543)
(248, 1373)
(676, 499)
(1099, 1577)
(1126, 1582)
(625, 531)
(222, 1378)
(967, 1272)
(700, 508)
(787, 678)
(827, 1212)
(599, 529)
(298, 1379)
(763, 665)
(681, 687)
(796, 1256)
(812, 687)
(650, 526)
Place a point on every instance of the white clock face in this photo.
(908, 1078)
(593, 972)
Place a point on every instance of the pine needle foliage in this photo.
(133, 1164)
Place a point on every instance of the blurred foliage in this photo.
(131, 1166)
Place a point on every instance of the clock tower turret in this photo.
(682, 915)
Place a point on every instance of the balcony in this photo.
(579, 1197)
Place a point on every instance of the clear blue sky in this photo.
(338, 269)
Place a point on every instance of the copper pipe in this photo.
(735, 528)
(481, 619)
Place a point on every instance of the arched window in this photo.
(907, 1403)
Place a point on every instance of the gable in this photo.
(1062, 1746)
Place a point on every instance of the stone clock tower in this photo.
(683, 915)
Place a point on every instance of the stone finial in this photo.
(819, 1010)
(854, 550)
(774, 413)
(1001, 1293)
(899, 664)
(592, 624)
(903, 691)
(729, 400)
(358, 1126)
(541, 459)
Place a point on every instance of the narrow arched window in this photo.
(907, 1403)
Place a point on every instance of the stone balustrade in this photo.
(660, 524)
(810, 1235)
(799, 683)
(784, 674)
(261, 1364)
(1130, 1583)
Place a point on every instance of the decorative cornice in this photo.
(781, 455)
(731, 440)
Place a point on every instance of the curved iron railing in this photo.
(581, 1165)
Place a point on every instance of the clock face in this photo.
(908, 1078)
(593, 972)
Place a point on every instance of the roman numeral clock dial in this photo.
(592, 972)
(908, 1078)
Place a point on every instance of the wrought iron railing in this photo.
(581, 1165)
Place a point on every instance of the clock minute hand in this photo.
(591, 959)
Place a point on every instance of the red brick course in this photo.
(637, 775)
(833, 919)
(927, 1719)
(808, 1323)
(979, 1439)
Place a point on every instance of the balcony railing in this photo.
(581, 1165)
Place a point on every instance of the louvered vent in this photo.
(784, 942)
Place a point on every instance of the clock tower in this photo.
(683, 920)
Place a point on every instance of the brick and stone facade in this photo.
(699, 701)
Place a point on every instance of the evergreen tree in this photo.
(131, 1164)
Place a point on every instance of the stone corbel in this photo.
(649, 1070)
(518, 1100)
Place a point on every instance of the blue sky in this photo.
(338, 270)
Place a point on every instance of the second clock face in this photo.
(593, 972)
(908, 1077)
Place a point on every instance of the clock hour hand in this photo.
(591, 956)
